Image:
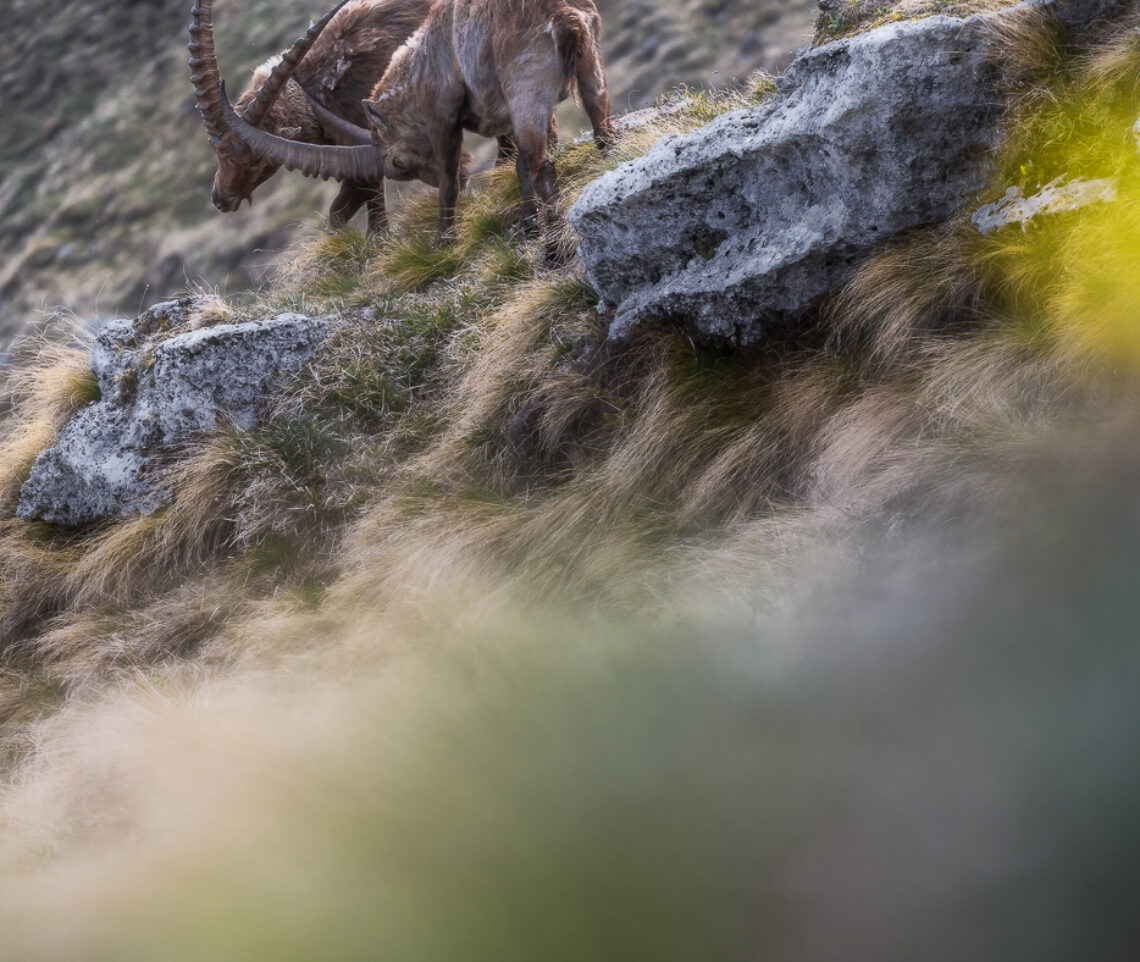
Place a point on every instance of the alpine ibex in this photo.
(305, 95)
(497, 67)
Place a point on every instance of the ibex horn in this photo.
(361, 164)
(204, 73)
(336, 127)
(267, 94)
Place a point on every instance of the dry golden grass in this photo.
(41, 394)
(469, 481)
(469, 430)
(1113, 64)
(1027, 49)
(909, 299)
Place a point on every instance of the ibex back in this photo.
(497, 67)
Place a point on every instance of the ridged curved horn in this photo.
(336, 127)
(269, 91)
(361, 164)
(204, 73)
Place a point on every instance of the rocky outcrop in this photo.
(733, 230)
(161, 383)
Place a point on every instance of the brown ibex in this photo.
(497, 67)
(304, 95)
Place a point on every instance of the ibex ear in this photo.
(289, 133)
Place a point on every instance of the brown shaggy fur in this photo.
(497, 67)
(339, 71)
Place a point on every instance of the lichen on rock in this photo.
(161, 383)
(866, 137)
(734, 230)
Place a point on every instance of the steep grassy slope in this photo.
(499, 641)
(105, 171)
(105, 176)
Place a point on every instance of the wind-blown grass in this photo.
(490, 601)
(470, 395)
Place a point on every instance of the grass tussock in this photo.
(1078, 124)
(1026, 49)
(47, 382)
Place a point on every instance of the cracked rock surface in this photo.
(160, 383)
(734, 229)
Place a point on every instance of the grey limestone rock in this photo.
(160, 383)
(735, 228)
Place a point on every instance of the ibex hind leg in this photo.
(529, 200)
(508, 151)
(591, 74)
(542, 213)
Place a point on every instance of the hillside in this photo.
(104, 201)
(500, 637)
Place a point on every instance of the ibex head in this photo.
(248, 156)
(240, 172)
